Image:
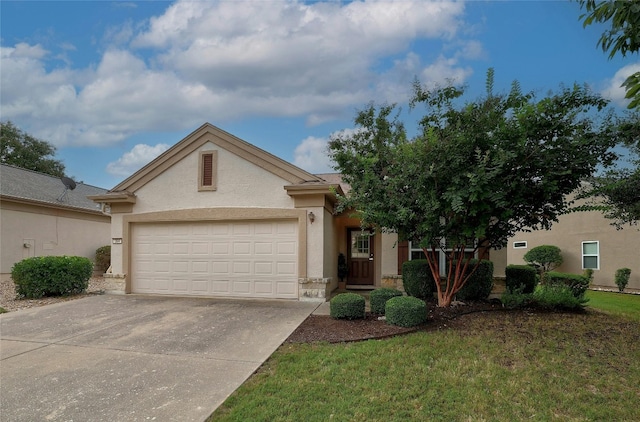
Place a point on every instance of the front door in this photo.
(360, 257)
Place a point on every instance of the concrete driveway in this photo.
(135, 358)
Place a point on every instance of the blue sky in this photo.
(114, 83)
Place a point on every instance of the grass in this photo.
(499, 366)
(625, 305)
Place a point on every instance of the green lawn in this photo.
(626, 305)
(499, 366)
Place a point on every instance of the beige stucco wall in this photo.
(618, 248)
(499, 259)
(48, 231)
(240, 183)
(389, 256)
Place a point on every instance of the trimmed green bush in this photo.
(544, 257)
(51, 276)
(103, 258)
(480, 284)
(557, 296)
(417, 279)
(406, 311)
(512, 299)
(521, 276)
(622, 278)
(578, 284)
(347, 306)
(589, 274)
(379, 297)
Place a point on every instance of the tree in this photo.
(623, 37)
(23, 150)
(475, 174)
(544, 257)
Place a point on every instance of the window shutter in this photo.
(207, 169)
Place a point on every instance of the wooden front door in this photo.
(360, 257)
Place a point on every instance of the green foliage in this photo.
(544, 257)
(406, 311)
(622, 278)
(516, 298)
(2, 310)
(20, 149)
(588, 273)
(577, 284)
(378, 298)
(521, 277)
(557, 296)
(103, 258)
(347, 306)
(623, 36)
(417, 278)
(51, 276)
(482, 169)
(480, 282)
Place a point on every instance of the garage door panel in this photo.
(249, 259)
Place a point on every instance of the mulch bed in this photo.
(321, 328)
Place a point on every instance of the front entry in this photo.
(360, 258)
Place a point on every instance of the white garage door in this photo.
(249, 259)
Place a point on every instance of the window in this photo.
(520, 245)
(207, 169)
(417, 253)
(591, 255)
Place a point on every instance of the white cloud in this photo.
(444, 71)
(613, 90)
(204, 61)
(312, 155)
(134, 160)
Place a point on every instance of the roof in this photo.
(209, 133)
(335, 179)
(34, 187)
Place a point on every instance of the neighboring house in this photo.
(217, 216)
(39, 216)
(586, 240)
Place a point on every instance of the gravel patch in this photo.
(9, 302)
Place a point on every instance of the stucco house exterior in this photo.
(39, 217)
(586, 240)
(217, 216)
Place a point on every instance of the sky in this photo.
(113, 84)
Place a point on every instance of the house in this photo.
(586, 240)
(41, 216)
(217, 216)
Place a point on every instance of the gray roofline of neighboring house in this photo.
(38, 188)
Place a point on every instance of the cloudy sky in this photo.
(115, 83)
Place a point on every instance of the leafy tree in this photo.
(475, 174)
(23, 150)
(623, 37)
(544, 257)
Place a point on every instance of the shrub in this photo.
(521, 277)
(516, 298)
(622, 278)
(557, 296)
(347, 306)
(51, 276)
(417, 279)
(545, 257)
(589, 274)
(578, 284)
(480, 284)
(379, 297)
(103, 258)
(406, 311)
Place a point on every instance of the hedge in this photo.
(406, 311)
(51, 276)
(521, 277)
(417, 279)
(347, 306)
(578, 284)
(480, 284)
(379, 297)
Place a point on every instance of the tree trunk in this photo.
(456, 277)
